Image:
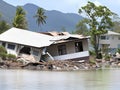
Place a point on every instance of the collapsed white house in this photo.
(45, 46)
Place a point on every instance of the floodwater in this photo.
(50, 80)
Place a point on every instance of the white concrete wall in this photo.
(53, 50)
(85, 45)
(19, 47)
(113, 41)
(37, 57)
(11, 51)
(72, 56)
(70, 47)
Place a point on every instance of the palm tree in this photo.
(40, 16)
(20, 11)
(4, 26)
(20, 19)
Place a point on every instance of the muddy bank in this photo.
(58, 66)
(10, 65)
(51, 65)
(67, 65)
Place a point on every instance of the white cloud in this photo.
(72, 2)
(113, 5)
(76, 2)
(97, 3)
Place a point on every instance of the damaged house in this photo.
(45, 46)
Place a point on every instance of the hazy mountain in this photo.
(55, 20)
(7, 11)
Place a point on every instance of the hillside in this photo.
(7, 11)
(56, 20)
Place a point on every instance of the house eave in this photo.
(24, 44)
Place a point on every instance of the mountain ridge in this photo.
(56, 20)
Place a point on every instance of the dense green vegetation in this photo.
(4, 55)
(118, 50)
(99, 21)
(3, 25)
(3, 52)
(20, 18)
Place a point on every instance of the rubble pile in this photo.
(67, 65)
(57, 65)
(10, 65)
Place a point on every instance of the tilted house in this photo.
(45, 46)
(19, 41)
(68, 46)
(110, 41)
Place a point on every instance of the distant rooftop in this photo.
(112, 33)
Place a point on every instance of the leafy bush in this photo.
(3, 50)
(118, 50)
(3, 56)
(99, 56)
(92, 53)
(107, 57)
(11, 56)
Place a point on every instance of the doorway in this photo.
(25, 50)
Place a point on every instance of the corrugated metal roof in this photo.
(25, 37)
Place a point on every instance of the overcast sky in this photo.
(68, 6)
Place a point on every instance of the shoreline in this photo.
(67, 65)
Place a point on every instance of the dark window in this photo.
(11, 46)
(119, 38)
(78, 46)
(103, 37)
(62, 49)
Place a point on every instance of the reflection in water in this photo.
(97, 80)
(39, 80)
